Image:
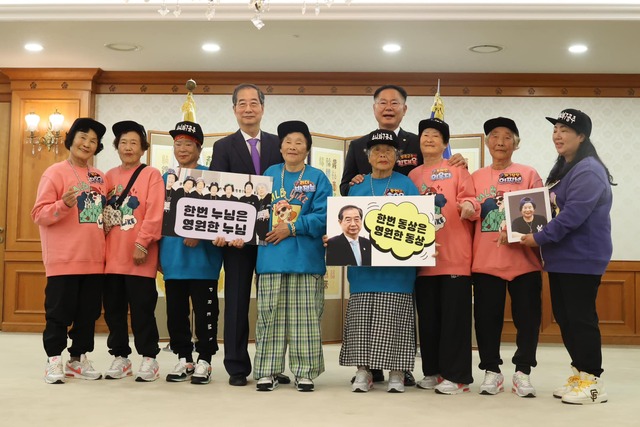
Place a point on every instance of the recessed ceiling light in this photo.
(33, 47)
(578, 48)
(210, 47)
(486, 48)
(391, 48)
(123, 47)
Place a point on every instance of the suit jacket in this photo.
(356, 161)
(339, 251)
(230, 154)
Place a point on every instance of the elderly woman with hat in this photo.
(576, 246)
(132, 255)
(379, 330)
(73, 251)
(443, 292)
(498, 266)
(191, 269)
(291, 267)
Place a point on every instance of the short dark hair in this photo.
(526, 200)
(400, 90)
(214, 184)
(344, 208)
(144, 144)
(248, 183)
(229, 185)
(234, 97)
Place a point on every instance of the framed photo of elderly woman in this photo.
(527, 211)
(471, 147)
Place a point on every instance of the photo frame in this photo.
(471, 147)
(526, 211)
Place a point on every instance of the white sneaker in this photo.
(572, 382)
(120, 368)
(363, 381)
(269, 383)
(181, 372)
(82, 369)
(149, 370)
(522, 385)
(448, 387)
(429, 382)
(493, 383)
(589, 389)
(53, 372)
(202, 373)
(396, 382)
(304, 384)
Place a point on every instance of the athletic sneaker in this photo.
(269, 383)
(396, 382)
(82, 369)
(448, 387)
(429, 382)
(149, 370)
(363, 381)
(522, 385)
(304, 384)
(572, 382)
(181, 372)
(120, 368)
(202, 373)
(589, 389)
(53, 372)
(493, 383)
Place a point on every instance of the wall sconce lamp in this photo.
(51, 138)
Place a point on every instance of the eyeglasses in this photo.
(242, 105)
(395, 104)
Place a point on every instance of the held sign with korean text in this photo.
(381, 231)
(202, 204)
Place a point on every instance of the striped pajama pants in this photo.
(289, 311)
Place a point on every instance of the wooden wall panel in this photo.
(24, 301)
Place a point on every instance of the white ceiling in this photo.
(435, 36)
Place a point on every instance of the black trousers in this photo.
(239, 265)
(71, 300)
(573, 298)
(204, 298)
(489, 293)
(444, 326)
(121, 293)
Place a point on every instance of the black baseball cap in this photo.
(499, 122)
(575, 119)
(382, 136)
(191, 129)
(129, 126)
(285, 128)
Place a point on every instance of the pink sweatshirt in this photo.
(72, 237)
(511, 260)
(142, 213)
(451, 186)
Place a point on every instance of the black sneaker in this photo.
(409, 381)
(304, 384)
(283, 379)
(269, 383)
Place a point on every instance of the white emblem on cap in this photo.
(186, 127)
(567, 117)
(378, 136)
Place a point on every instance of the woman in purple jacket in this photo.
(576, 249)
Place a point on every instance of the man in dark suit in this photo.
(349, 248)
(248, 151)
(389, 108)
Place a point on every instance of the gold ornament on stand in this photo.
(189, 106)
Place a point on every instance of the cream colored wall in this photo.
(616, 126)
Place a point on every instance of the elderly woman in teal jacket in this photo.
(291, 267)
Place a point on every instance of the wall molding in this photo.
(331, 84)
